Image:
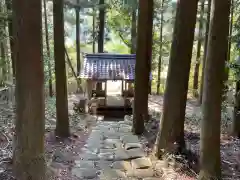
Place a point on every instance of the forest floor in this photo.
(101, 149)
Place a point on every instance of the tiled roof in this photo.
(107, 66)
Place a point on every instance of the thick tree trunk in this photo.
(78, 39)
(198, 57)
(29, 162)
(134, 32)
(160, 50)
(236, 117)
(213, 88)
(143, 64)
(62, 127)
(172, 120)
(10, 31)
(48, 50)
(205, 50)
(101, 27)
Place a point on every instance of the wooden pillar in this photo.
(89, 88)
(105, 101)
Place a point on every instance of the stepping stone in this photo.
(89, 156)
(121, 154)
(133, 145)
(135, 153)
(122, 165)
(125, 129)
(112, 174)
(85, 173)
(103, 164)
(141, 173)
(107, 150)
(84, 164)
(106, 156)
(141, 163)
(129, 139)
(112, 135)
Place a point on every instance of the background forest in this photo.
(111, 26)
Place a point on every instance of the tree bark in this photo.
(48, 50)
(93, 31)
(62, 126)
(160, 50)
(198, 57)
(10, 31)
(134, 31)
(77, 9)
(143, 64)
(236, 117)
(101, 27)
(29, 162)
(173, 116)
(213, 88)
(205, 50)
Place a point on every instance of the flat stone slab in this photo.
(135, 153)
(121, 154)
(133, 145)
(141, 163)
(85, 173)
(89, 156)
(106, 156)
(103, 164)
(140, 173)
(112, 174)
(129, 139)
(84, 164)
(122, 165)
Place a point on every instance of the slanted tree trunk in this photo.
(48, 50)
(160, 49)
(213, 88)
(175, 97)
(29, 157)
(143, 64)
(10, 31)
(77, 9)
(62, 126)
(134, 31)
(101, 27)
(236, 115)
(198, 57)
(205, 49)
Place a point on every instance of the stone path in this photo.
(112, 152)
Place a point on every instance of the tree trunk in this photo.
(93, 31)
(134, 31)
(173, 116)
(48, 50)
(198, 58)
(29, 162)
(160, 50)
(229, 47)
(62, 126)
(205, 50)
(143, 64)
(101, 27)
(236, 117)
(213, 88)
(10, 31)
(77, 9)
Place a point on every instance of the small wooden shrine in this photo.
(102, 67)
